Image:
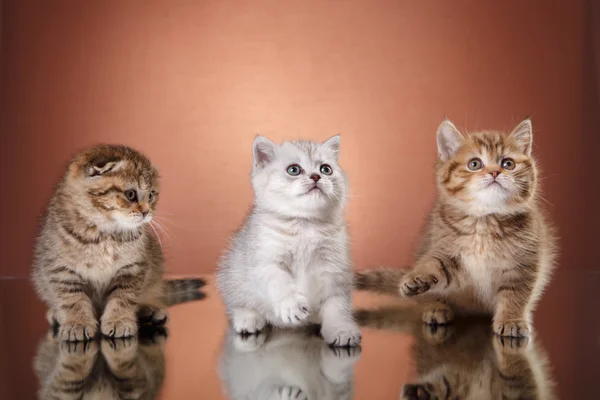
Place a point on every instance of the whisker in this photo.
(157, 235)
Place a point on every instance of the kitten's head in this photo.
(299, 178)
(115, 187)
(486, 172)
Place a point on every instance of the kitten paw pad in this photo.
(119, 328)
(438, 316)
(293, 309)
(512, 328)
(291, 393)
(247, 322)
(77, 331)
(413, 285)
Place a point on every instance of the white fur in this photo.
(289, 263)
(285, 365)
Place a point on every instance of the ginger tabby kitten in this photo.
(487, 248)
(94, 257)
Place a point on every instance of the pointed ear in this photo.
(101, 167)
(333, 145)
(449, 140)
(523, 135)
(263, 150)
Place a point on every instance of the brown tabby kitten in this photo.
(466, 360)
(94, 257)
(487, 248)
(125, 368)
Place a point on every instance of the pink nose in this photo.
(494, 173)
(315, 177)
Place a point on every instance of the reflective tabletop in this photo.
(196, 356)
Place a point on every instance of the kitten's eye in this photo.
(294, 170)
(508, 163)
(326, 169)
(131, 195)
(475, 164)
(151, 196)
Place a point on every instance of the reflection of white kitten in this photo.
(278, 364)
(289, 263)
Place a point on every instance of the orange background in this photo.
(192, 83)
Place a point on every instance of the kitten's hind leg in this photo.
(246, 321)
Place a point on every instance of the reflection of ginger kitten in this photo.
(487, 248)
(278, 364)
(128, 368)
(465, 360)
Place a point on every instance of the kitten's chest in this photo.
(101, 262)
(307, 247)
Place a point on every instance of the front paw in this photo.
(436, 334)
(78, 329)
(413, 284)
(290, 393)
(293, 309)
(347, 335)
(119, 324)
(512, 328)
(247, 343)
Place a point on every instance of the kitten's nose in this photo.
(494, 173)
(145, 212)
(315, 177)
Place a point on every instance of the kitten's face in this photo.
(486, 172)
(298, 179)
(117, 186)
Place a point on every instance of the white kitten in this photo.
(289, 263)
(278, 365)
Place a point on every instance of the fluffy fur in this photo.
(289, 263)
(487, 247)
(126, 368)
(465, 360)
(94, 258)
(292, 364)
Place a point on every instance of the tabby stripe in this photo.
(451, 170)
(445, 271)
(70, 367)
(448, 388)
(106, 191)
(449, 223)
(80, 238)
(70, 290)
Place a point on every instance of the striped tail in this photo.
(179, 291)
(385, 281)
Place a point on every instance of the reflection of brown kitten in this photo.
(465, 360)
(94, 258)
(487, 248)
(128, 368)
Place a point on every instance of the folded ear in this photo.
(263, 150)
(449, 140)
(102, 166)
(523, 135)
(333, 144)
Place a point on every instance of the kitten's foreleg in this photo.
(511, 317)
(431, 273)
(73, 310)
(289, 304)
(338, 326)
(514, 368)
(119, 316)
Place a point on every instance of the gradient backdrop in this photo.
(191, 84)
